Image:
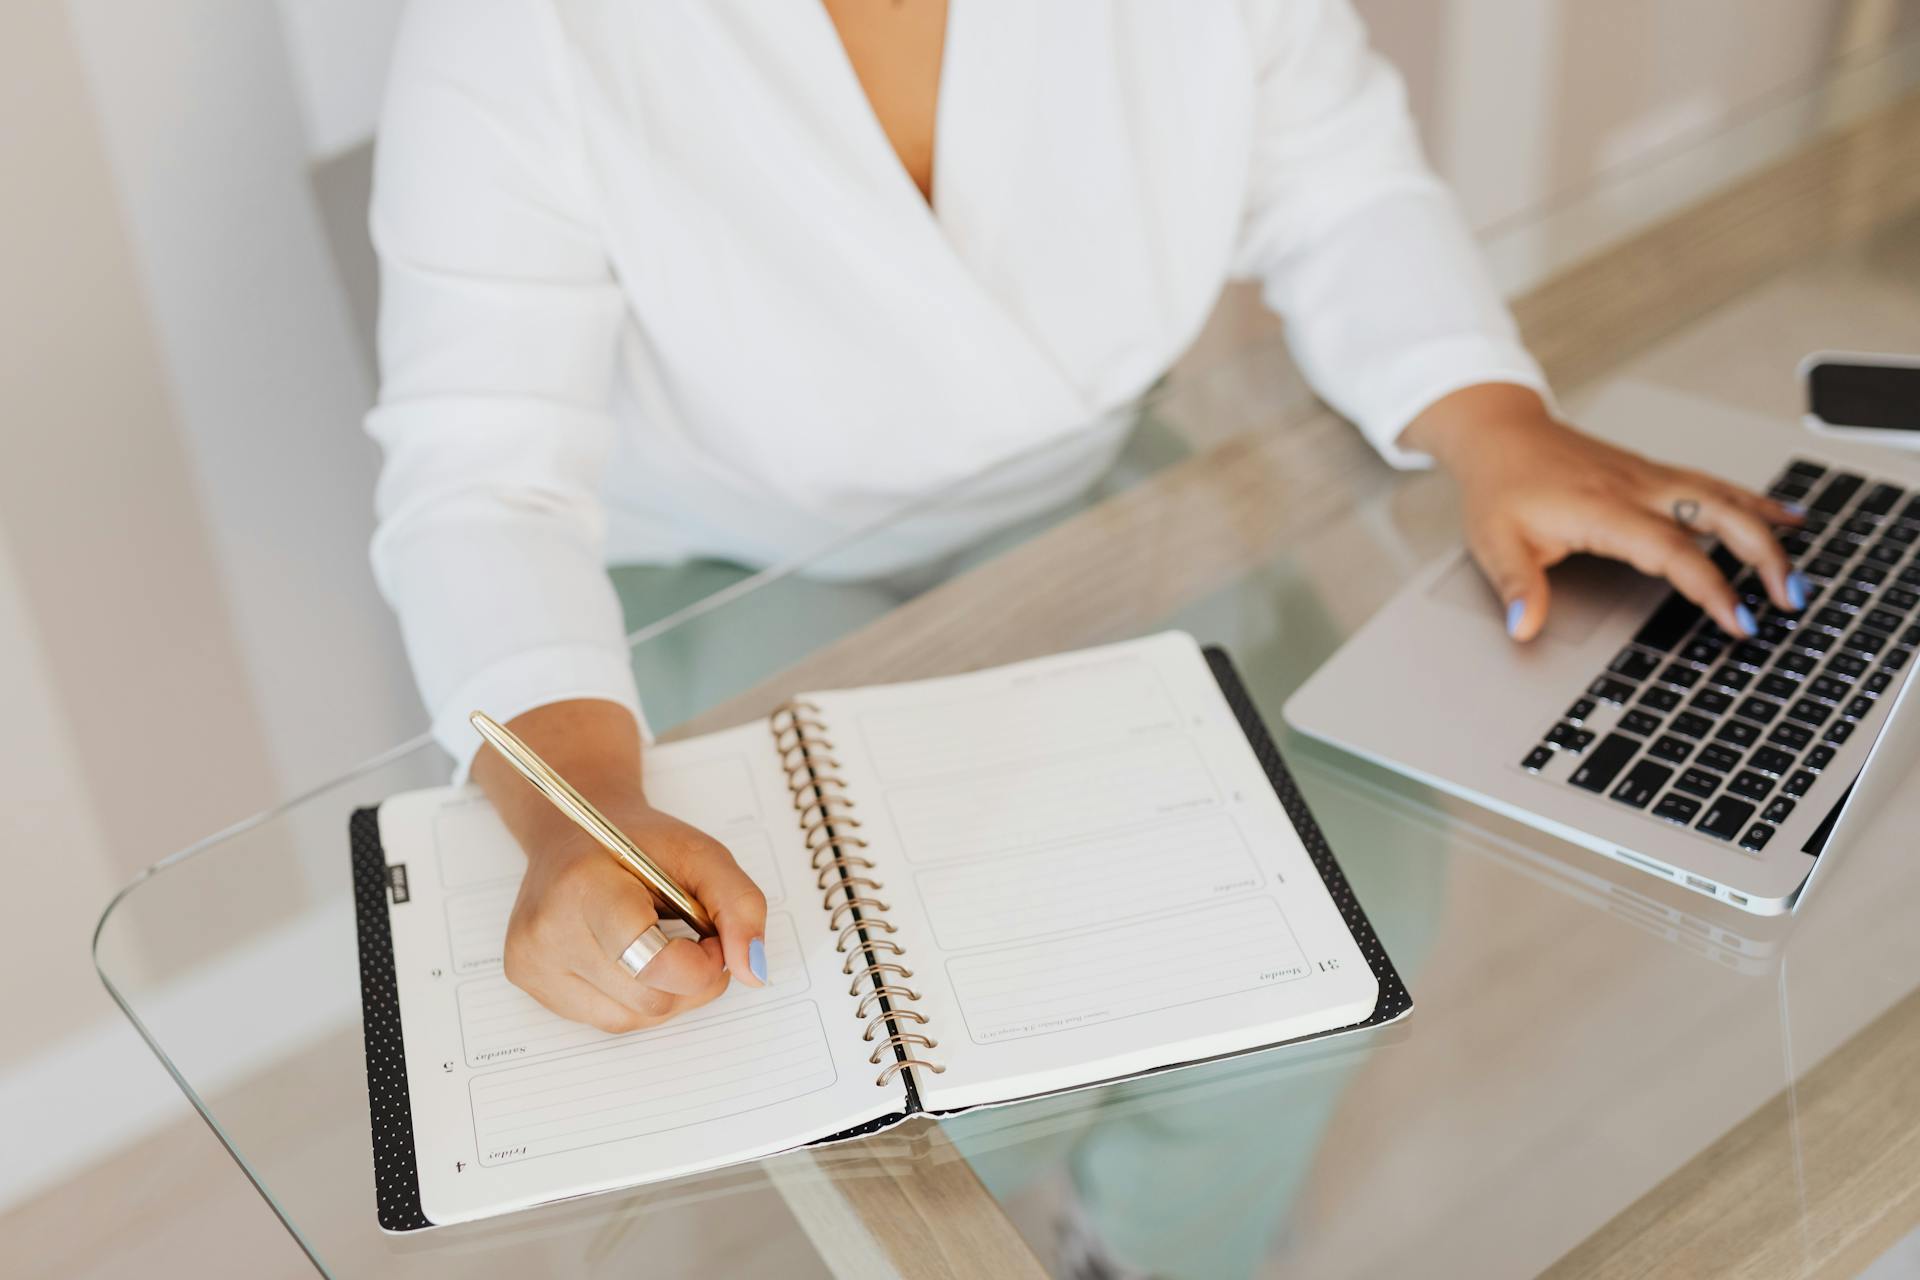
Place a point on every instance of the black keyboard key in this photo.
(1838, 732)
(1793, 737)
(1880, 499)
(1851, 598)
(1867, 575)
(1899, 598)
(1719, 758)
(1660, 698)
(1726, 818)
(1675, 807)
(1671, 749)
(1805, 470)
(1608, 689)
(1699, 782)
(1640, 723)
(1867, 642)
(1797, 783)
(1759, 709)
(1779, 686)
(1904, 534)
(1568, 738)
(1749, 785)
(1789, 490)
(1779, 811)
(1829, 689)
(1813, 640)
(1738, 732)
(1691, 725)
(1580, 710)
(1642, 783)
(1824, 567)
(1846, 666)
(1537, 759)
(1712, 701)
(1774, 629)
(1703, 649)
(1732, 677)
(1877, 682)
(1859, 707)
(1897, 658)
(1757, 836)
(1912, 510)
(1597, 771)
(1836, 494)
(1819, 758)
(1634, 664)
(1685, 677)
(1861, 527)
(1832, 619)
(1911, 636)
(1841, 546)
(1886, 553)
(1882, 620)
(1750, 653)
(1910, 576)
(1807, 711)
(1770, 760)
(1668, 624)
(1796, 541)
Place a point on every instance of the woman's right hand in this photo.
(578, 909)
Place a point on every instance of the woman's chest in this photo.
(1088, 175)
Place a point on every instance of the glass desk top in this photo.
(1600, 1066)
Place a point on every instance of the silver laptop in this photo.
(1632, 725)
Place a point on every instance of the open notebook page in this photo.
(513, 1105)
(1090, 871)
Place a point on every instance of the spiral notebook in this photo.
(980, 888)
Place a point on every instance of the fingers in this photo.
(1517, 573)
(1660, 548)
(644, 1006)
(738, 908)
(1741, 521)
(620, 913)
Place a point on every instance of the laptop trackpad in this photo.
(1586, 591)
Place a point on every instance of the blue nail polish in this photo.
(1744, 616)
(1797, 589)
(757, 959)
(1515, 611)
(1794, 508)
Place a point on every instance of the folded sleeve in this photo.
(1356, 243)
(499, 318)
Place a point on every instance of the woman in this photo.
(724, 279)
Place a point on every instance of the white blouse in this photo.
(654, 285)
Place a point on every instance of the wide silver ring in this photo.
(643, 949)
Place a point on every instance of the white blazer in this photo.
(654, 285)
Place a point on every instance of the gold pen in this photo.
(590, 820)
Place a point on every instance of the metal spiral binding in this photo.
(849, 893)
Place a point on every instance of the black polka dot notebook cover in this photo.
(396, 1178)
(1395, 1001)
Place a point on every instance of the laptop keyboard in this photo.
(1726, 735)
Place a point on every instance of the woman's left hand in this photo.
(1536, 491)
